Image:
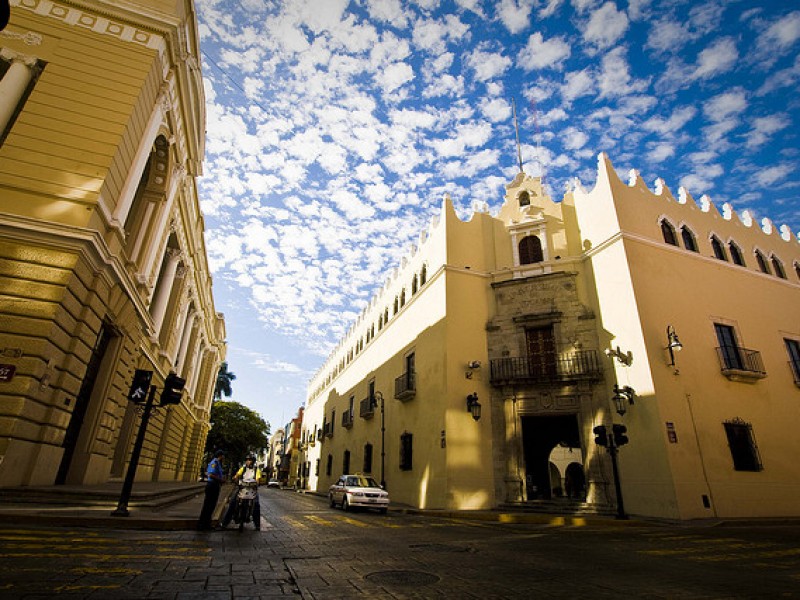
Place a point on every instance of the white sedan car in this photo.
(358, 491)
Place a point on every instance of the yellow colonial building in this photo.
(102, 260)
(479, 372)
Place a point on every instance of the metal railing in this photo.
(734, 358)
(579, 365)
(347, 419)
(366, 408)
(405, 386)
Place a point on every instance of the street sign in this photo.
(7, 372)
(140, 385)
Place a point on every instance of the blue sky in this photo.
(335, 127)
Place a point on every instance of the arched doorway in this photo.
(540, 436)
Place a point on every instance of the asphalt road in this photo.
(308, 550)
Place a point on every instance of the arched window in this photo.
(524, 198)
(386, 315)
(689, 241)
(777, 266)
(797, 269)
(423, 275)
(719, 249)
(403, 297)
(396, 305)
(668, 231)
(762, 262)
(530, 250)
(414, 284)
(736, 254)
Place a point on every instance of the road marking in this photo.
(319, 520)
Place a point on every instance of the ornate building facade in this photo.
(102, 259)
(478, 374)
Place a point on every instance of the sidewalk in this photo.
(153, 505)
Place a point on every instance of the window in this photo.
(530, 250)
(396, 304)
(524, 198)
(346, 462)
(541, 352)
(762, 262)
(329, 467)
(793, 348)
(367, 458)
(316, 468)
(728, 347)
(403, 297)
(777, 266)
(406, 451)
(689, 241)
(797, 269)
(414, 284)
(743, 445)
(423, 275)
(719, 249)
(736, 254)
(668, 231)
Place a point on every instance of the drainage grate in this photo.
(400, 578)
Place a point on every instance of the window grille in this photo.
(743, 445)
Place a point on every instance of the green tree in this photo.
(237, 430)
(223, 385)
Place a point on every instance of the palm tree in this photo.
(223, 385)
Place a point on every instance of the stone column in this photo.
(13, 84)
(187, 333)
(161, 299)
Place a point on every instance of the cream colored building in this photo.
(541, 314)
(102, 260)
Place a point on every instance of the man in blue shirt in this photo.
(215, 476)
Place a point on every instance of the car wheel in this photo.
(345, 505)
(333, 502)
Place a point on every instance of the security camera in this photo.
(475, 364)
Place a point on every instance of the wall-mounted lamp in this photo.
(673, 344)
(621, 396)
(473, 406)
(625, 358)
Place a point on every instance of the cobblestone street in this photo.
(308, 550)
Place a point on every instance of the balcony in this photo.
(366, 408)
(582, 365)
(741, 364)
(405, 386)
(347, 419)
(328, 427)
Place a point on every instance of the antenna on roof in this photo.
(516, 129)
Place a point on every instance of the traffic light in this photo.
(601, 436)
(173, 390)
(620, 439)
(140, 385)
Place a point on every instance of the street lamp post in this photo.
(375, 397)
(613, 450)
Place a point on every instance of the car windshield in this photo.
(361, 482)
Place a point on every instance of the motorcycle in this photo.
(245, 501)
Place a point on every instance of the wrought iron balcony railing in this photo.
(579, 365)
(347, 419)
(405, 386)
(366, 408)
(740, 362)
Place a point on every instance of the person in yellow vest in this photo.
(248, 473)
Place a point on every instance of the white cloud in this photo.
(605, 26)
(788, 77)
(677, 120)
(487, 65)
(772, 175)
(394, 76)
(497, 110)
(577, 84)
(549, 9)
(660, 152)
(390, 11)
(781, 35)
(615, 79)
(667, 35)
(515, 14)
(718, 58)
(725, 105)
(764, 127)
(573, 139)
(540, 54)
